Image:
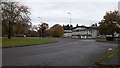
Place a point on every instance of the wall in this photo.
(94, 33)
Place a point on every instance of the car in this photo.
(109, 38)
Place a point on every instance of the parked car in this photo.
(109, 38)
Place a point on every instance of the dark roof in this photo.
(79, 26)
(93, 27)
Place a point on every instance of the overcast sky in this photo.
(82, 12)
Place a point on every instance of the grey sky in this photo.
(83, 13)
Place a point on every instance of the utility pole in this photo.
(70, 25)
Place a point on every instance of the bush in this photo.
(109, 38)
(57, 30)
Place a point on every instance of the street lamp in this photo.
(70, 23)
(41, 27)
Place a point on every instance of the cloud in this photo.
(70, 0)
(82, 12)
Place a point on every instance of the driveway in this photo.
(66, 52)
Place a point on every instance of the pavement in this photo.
(66, 52)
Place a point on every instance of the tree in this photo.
(57, 30)
(34, 28)
(94, 24)
(42, 29)
(14, 13)
(110, 24)
(21, 28)
(77, 25)
(67, 27)
(31, 33)
(102, 28)
(71, 27)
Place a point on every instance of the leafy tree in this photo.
(14, 13)
(57, 30)
(42, 29)
(67, 27)
(110, 24)
(77, 25)
(71, 26)
(94, 24)
(102, 28)
(31, 33)
(21, 28)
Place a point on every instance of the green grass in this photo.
(101, 40)
(104, 40)
(24, 41)
(106, 57)
(0, 41)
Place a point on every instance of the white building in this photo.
(85, 32)
(82, 32)
(67, 33)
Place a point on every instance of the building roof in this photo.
(93, 27)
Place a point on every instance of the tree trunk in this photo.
(10, 30)
(9, 34)
(113, 36)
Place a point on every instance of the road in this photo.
(66, 52)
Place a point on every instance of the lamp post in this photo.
(41, 27)
(70, 24)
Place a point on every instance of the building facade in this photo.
(82, 32)
(67, 33)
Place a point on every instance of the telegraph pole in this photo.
(70, 25)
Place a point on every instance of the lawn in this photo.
(101, 40)
(104, 40)
(0, 41)
(24, 41)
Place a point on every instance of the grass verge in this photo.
(24, 41)
(106, 57)
(104, 40)
(101, 40)
(0, 42)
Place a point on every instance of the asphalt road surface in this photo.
(66, 52)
